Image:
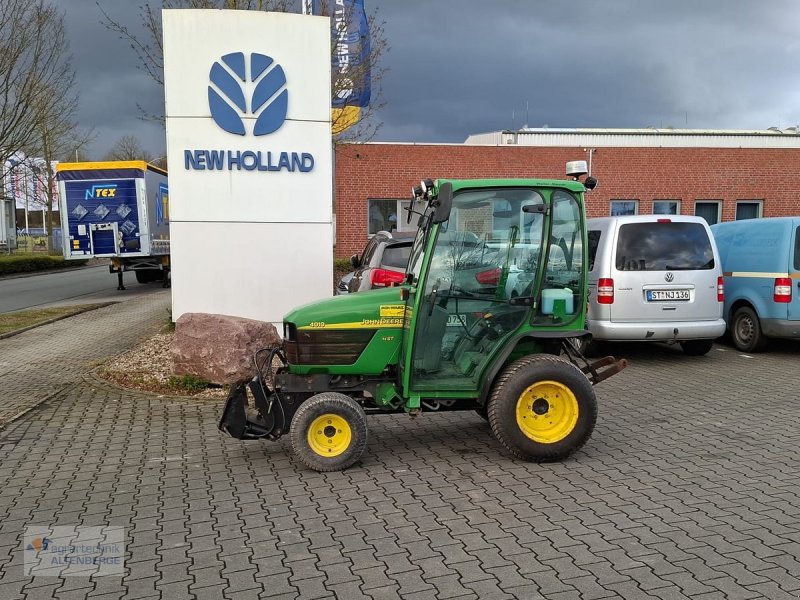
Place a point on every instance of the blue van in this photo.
(761, 265)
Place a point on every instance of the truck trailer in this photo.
(117, 210)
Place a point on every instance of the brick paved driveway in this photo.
(36, 363)
(688, 488)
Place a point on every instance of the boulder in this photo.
(219, 348)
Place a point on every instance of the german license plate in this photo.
(667, 295)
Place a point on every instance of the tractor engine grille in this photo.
(331, 347)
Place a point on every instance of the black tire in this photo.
(507, 398)
(312, 412)
(596, 348)
(697, 347)
(143, 276)
(746, 330)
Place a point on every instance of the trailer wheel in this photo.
(542, 408)
(329, 432)
(143, 276)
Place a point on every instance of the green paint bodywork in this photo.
(390, 350)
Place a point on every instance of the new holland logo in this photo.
(229, 105)
(247, 89)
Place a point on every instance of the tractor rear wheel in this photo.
(329, 432)
(542, 408)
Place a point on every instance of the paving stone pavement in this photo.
(687, 489)
(39, 362)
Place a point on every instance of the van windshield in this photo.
(664, 246)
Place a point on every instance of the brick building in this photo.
(721, 175)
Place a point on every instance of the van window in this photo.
(594, 243)
(673, 246)
(396, 256)
(797, 249)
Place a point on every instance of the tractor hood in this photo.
(371, 309)
(354, 334)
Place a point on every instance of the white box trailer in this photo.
(117, 210)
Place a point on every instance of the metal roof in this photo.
(650, 138)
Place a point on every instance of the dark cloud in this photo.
(458, 67)
(110, 81)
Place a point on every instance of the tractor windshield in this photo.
(485, 255)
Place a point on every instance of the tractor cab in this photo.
(509, 259)
(487, 319)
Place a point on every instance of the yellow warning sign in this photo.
(393, 310)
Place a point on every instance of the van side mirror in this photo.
(355, 261)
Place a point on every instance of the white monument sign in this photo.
(250, 160)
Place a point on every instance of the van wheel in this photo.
(746, 330)
(697, 347)
(329, 432)
(542, 408)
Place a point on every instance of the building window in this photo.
(388, 214)
(666, 207)
(748, 209)
(624, 207)
(708, 209)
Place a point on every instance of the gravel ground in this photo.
(148, 367)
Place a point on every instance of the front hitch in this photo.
(243, 421)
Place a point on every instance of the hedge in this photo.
(27, 263)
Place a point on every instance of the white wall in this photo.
(250, 243)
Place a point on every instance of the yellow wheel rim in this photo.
(547, 412)
(329, 435)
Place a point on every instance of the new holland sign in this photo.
(251, 85)
(250, 156)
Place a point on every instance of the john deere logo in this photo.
(229, 102)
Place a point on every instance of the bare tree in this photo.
(34, 70)
(150, 52)
(128, 147)
(37, 99)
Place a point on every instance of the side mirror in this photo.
(355, 261)
(444, 203)
(590, 183)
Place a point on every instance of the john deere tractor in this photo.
(488, 317)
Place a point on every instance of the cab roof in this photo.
(568, 184)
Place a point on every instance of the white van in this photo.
(655, 278)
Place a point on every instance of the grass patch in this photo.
(28, 263)
(12, 321)
(188, 383)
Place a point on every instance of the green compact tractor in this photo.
(489, 317)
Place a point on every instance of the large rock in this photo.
(219, 348)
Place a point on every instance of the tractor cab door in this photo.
(487, 253)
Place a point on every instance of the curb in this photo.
(53, 320)
(47, 272)
(19, 415)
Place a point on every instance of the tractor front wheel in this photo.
(542, 408)
(329, 432)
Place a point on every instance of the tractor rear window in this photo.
(670, 246)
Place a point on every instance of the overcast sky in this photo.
(458, 67)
